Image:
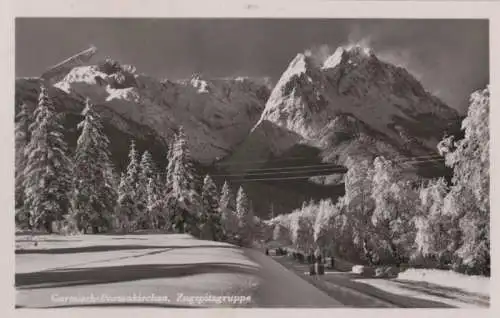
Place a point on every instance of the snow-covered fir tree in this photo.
(127, 193)
(242, 204)
(147, 166)
(94, 196)
(210, 219)
(125, 206)
(187, 201)
(168, 187)
(146, 174)
(227, 200)
(169, 201)
(48, 170)
(133, 168)
(155, 203)
(245, 217)
(22, 138)
(227, 208)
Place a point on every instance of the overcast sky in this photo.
(450, 57)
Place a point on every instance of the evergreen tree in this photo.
(147, 166)
(170, 168)
(146, 173)
(132, 174)
(48, 169)
(227, 207)
(127, 193)
(187, 202)
(210, 221)
(169, 204)
(155, 204)
(227, 200)
(22, 138)
(125, 205)
(245, 217)
(94, 195)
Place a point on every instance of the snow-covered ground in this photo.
(110, 269)
(438, 285)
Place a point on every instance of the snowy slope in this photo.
(454, 289)
(355, 103)
(125, 265)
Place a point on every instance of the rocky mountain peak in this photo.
(351, 55)
(385, 100)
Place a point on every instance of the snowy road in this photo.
(281, 287)
(355, 291)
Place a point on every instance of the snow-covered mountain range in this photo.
(351, 104)
(216, 114)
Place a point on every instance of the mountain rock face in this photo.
(356, 105)
(217, 114)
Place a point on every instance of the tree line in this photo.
(389, 217)
(80, 192)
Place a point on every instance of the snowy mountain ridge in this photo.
(350, 104)
(216, 114)
(371, 103)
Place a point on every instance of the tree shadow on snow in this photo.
(107, 248)
(116, 274)
(444, 291)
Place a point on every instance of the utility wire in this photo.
(299, 177)
(260, 161)
(332, 165)
(332, 170)
(285, 178)
(294, 158)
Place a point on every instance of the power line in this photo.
(421, 159)
(333, 165)
(260, 161)
(295, 158)
(272, 179)
(301, 177)
(333, 170)
(425, 161)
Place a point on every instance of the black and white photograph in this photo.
(251, 162)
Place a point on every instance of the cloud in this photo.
(319, 54)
